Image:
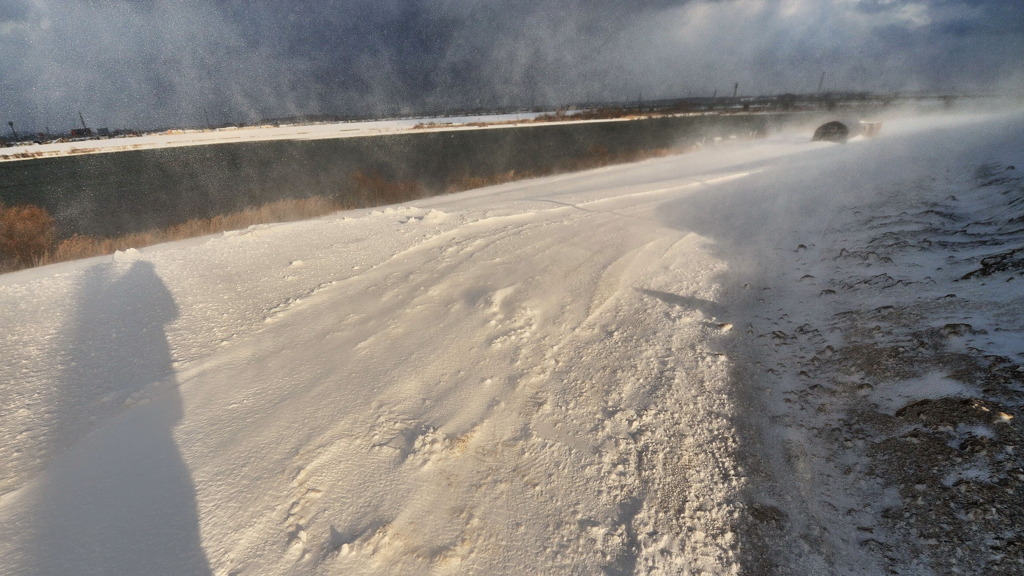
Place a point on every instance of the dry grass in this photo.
(26, 234)
(287, 210)
(374, 189)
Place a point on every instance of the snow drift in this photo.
(574, 374)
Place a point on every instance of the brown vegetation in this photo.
(287, 210)
(21, 156)
(374, 189)
(26, 234)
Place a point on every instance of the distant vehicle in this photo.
(836, 131)
(82, 133)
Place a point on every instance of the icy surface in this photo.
(618, 371)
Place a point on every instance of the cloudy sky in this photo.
(147, 63)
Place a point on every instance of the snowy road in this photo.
(544, 377)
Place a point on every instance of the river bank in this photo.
(165, 180)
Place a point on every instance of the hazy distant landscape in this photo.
(178, 184)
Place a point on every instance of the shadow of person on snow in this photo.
(119, 499)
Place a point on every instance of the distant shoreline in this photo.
(314, 131)
(197, 137)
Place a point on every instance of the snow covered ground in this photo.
(767, 357)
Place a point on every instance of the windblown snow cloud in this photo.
(151, 62)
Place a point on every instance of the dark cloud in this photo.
(12, 12)
(173, 62)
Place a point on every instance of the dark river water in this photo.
(123, 192)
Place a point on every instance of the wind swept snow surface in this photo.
(576, 374)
